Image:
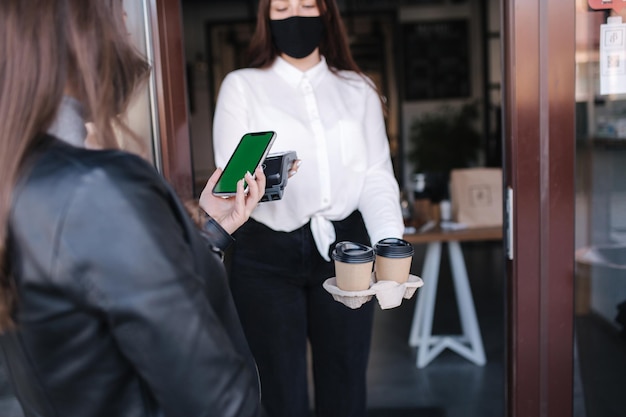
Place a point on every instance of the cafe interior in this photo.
(522, 311)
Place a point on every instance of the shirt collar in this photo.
(69, 123)
(293, 76)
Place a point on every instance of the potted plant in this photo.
(441, 141)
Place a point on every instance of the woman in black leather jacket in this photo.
(112, 303)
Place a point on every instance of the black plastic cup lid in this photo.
(353, 253)
(394, 248)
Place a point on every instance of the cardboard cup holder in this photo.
(388, 293)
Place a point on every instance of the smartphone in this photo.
(249, 154)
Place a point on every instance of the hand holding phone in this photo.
(231, 213)
(248, 155)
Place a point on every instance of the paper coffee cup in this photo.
(353, 265)
(393, 260)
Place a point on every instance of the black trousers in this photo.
(276, 279)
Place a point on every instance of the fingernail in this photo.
(299, 163)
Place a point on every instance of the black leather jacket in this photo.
(124, 309)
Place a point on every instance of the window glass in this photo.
(600, 281)
(141, 116)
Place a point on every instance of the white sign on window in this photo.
(613, 56)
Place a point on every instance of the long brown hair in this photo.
(49, 47)
(334, 46)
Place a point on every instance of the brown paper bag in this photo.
(476, 196)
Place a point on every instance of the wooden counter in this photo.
(438, 235)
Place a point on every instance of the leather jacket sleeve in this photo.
(124, 254)
(218, 238)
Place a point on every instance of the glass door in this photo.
(142, 114)
(600, 280)
(160, 112)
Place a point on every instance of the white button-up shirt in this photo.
(335, 124)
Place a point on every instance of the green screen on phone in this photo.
(247, 156)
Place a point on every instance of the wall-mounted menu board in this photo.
(437, 64)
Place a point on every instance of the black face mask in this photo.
(297, 36)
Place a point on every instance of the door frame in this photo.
(539, 121)
(172, 108)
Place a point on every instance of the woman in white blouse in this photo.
(303, 83)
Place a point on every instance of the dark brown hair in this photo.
(48, 47)
(334, 46)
